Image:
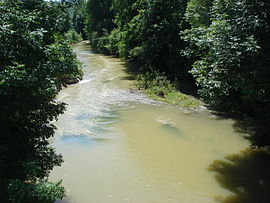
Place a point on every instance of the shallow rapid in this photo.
(119, 146)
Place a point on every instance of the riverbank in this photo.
(159, 88)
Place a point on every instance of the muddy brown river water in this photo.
(119, 146)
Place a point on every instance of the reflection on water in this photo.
(120, 146)
(83, 140)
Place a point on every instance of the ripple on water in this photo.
(85, 81)
(83, 140)
(122, 96)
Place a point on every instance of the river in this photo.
(119, 146)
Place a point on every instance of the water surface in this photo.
(119, 146)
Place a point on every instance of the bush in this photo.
(158, 87)
(72, 36)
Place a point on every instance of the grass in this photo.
(159, 88)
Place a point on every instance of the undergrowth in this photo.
(159, 88)
(72, 36)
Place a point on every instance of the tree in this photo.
(76, 12)
(233, 64)
(146, 32)
(99, 20)
(33, 68)
(198, 12)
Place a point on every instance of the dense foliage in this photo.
(99, 21)
(225, 40)
(34, 65)
(144, 31)
(76, 17)
(233, 58)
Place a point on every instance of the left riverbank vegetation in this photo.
(35, 63)
(217, 50)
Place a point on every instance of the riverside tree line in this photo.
(220, 48)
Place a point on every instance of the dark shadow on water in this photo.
(129, 77)
(257, 131)
(132, 69)
(246, 175)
